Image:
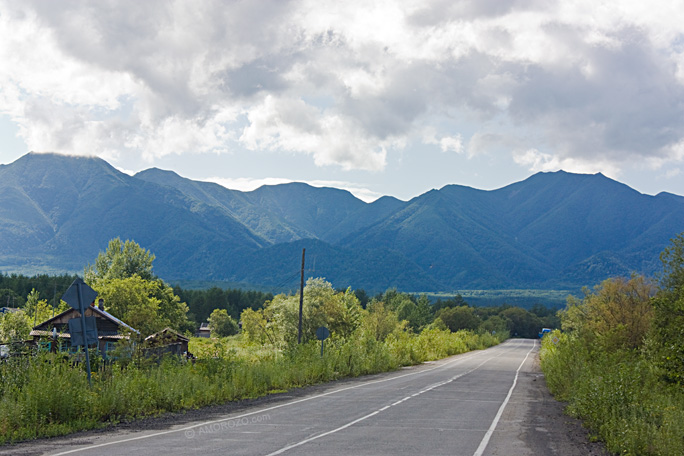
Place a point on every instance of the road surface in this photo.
(479, 403)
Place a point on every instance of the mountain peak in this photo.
(555, 229)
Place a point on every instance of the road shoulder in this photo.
(534, 423)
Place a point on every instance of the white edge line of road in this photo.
(436, 385)
(490, 431)
(171, 431)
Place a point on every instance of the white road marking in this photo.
(310, 439)
(490, 431)
(358, 420)
(287, 404)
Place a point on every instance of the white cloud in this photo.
(247, 185)
(292, 125)
(446, 143)
(592, 85)
(673, 172)
(537, 161)
(451, 143)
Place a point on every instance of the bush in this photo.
(619, 395)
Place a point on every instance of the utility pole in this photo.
(301, 300)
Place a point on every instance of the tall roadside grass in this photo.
(619, 395)
(45, 395)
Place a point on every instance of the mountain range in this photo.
(552, 230)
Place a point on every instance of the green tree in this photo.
(14, 326)
(672, 276)
(38, 310)
(618, 314)
(278, 321)
(496, 324)
(456, 301)
(667, 335)
(522, 323)
(121, 260)
(255, 327)
(418, 314)
(132, 301)
(380, 321)
(393, 299)
(123, 277)
(10, 298)
(461, 317)
(222, 324)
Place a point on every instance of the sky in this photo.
(379, 98)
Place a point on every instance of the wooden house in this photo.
(55, 331)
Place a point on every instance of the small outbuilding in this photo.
(204, 330)
(167, 341)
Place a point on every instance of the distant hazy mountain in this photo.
(550, 230)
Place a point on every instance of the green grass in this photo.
(45, 395)
(620, 396)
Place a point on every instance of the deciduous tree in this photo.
(461, 317)
(123, 277)
(667, 336)
(121, 260)
(14, 326)
(222, 324)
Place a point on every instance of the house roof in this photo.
(44, 326)
(38, 332)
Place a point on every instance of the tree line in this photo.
(123, 277)
(14, 288)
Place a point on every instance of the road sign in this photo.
(79, 296)
(77, 333)
(322, 333)
(88, 295)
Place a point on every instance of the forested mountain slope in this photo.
(550, 230)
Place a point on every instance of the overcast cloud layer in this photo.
(584, 86)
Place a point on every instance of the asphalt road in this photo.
(477, 403)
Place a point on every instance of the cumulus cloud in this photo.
(551, 84)
(539, 161)
(246, 184)
(446, 143)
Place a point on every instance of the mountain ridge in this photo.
(550, 230)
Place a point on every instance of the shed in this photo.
(167, 341)
(204, 330)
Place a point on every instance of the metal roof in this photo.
(95, 310)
